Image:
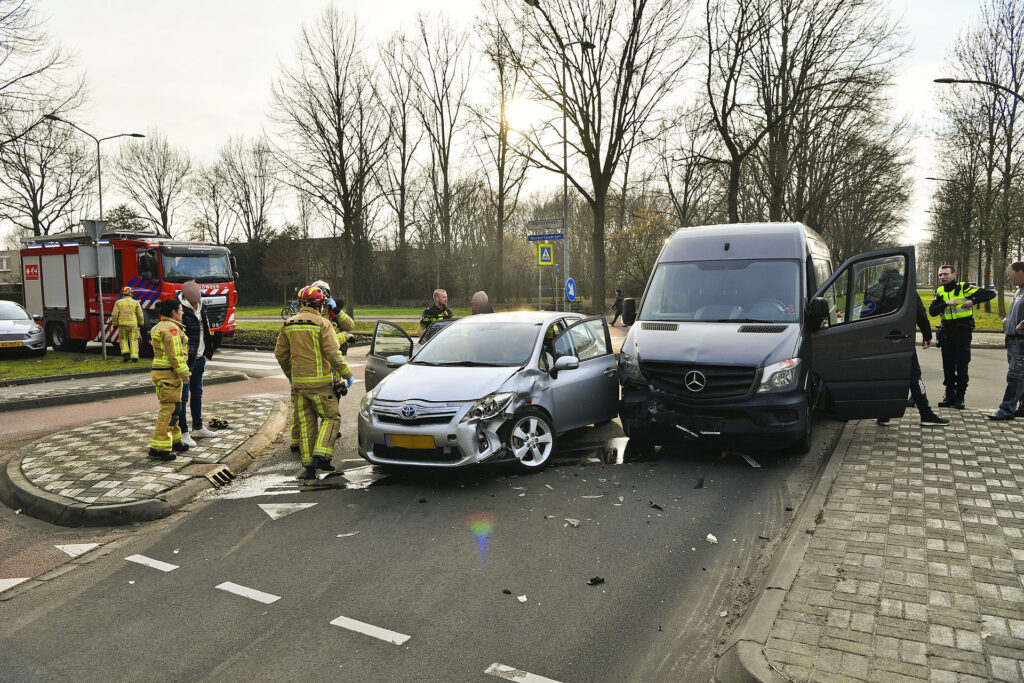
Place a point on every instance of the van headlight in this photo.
(489, 406)
(781, 376)
(629, 370)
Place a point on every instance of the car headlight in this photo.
(629, 370)
(781, 376)
(366, 401)
(36, 329)
(489, 406)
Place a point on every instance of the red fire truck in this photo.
(66, 304)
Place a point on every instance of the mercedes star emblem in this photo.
(695, 381)
(408, 412)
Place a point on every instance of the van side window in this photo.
(822, 272)
(878, 287)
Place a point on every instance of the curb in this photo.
(88, 397)
(62, 378)
(19, 493)
(743, 658)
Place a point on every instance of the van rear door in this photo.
(862, 352)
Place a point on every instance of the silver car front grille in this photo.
(413, 412)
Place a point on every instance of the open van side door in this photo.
(388, 340)
(862, 351)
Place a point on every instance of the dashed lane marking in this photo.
(510, 673)
(251, 593)
(370, 630)
(76, 549)
(150, 562)
(5, 584)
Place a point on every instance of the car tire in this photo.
(530, 439)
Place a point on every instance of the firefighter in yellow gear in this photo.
(127, 317)
(170, 370)
(307, 351)
(343, 325)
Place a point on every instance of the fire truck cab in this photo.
(67, 304)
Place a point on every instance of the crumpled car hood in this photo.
(440, 384)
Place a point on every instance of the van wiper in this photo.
(741, 320)
(464, 364)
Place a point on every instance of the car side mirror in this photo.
(628, 311)
(396, 361)
(817, 313)
(234, 275)
(567, 363)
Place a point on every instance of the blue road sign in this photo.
(545, 255)
(570, 289)
(545, 238)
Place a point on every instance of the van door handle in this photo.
(610, 372)
(369, 371)
(896, 336)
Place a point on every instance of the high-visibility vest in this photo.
(958, 296)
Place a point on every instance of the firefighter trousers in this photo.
(318, 418)
(295, 435)
(168, 392)
(128, 335)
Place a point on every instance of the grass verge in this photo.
(63, 363)
(264, 333)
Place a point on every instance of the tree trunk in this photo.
(599, 257)
(735, 166)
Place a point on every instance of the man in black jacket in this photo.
(617, 305)
(917, 391)
(200, 349)
(954, 302)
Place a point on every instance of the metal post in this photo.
(565, 183)
(99, 177)
(99, 290)
(540, 288)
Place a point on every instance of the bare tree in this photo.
(46, 176)
(251, 185)
(211, 200)
(505, 169)
(612, 93)
(154, 176)
(333, 131)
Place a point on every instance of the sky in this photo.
(201, 70)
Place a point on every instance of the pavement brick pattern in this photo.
(916, 570)
(107, 462)
(18, 394)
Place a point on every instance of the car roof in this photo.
(519, 317)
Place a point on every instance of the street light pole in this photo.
(99, 168)
(974, 81)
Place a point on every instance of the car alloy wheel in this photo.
(531, 439)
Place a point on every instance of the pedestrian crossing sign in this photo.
(545, 254)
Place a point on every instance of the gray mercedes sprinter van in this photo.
(744, 329)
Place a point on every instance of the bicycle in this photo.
(290, 309)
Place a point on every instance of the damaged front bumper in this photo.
(429, 434)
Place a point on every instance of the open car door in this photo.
(862, 351)
(388, 340)
(588, 394)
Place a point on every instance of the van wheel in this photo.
(803, 444)
(530, 438)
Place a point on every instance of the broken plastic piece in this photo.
(723, 614)
(656, 506)
(506, 591)
(351, 533)
(596, 581)
(600, 496)
(521, 598)
(711, 538)
(572, 522)
(764, 538)
(550, 486)
(750, 461)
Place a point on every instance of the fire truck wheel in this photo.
(57, 335)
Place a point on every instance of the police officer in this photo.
(1013, 326)
(954, 302)
(333, 312)
(170, 371)
(436, 312)
(307, 351)
(127, 317)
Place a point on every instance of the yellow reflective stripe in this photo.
(310, 380)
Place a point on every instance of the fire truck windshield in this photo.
(198, 267)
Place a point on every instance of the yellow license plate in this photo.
(9, 345)
(408, 441)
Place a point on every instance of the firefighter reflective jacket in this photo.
(307, 351)
(170, 347)
(127, 313)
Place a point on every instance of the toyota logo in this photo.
(695, 381)
(408, 412)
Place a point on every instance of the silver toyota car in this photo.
(500, 386)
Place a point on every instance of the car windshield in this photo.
(12, 311)
(724, 291)
(493, 343)
(198, 267)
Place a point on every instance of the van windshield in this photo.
(724, 291)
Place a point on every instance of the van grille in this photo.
(659, 327)
(722, 381)
(763, 329)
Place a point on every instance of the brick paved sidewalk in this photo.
(82, 391)
(915, 570)
(102, 470)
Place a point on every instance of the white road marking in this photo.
(76, 549)
(150, 562)
(242, 365)
(510, 673)
(370, 630)
(251, 593)
(11, 583)
(279, 510)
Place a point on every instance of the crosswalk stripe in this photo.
(370, 630)
(150, 562)
(246, 592)
(247, 365)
